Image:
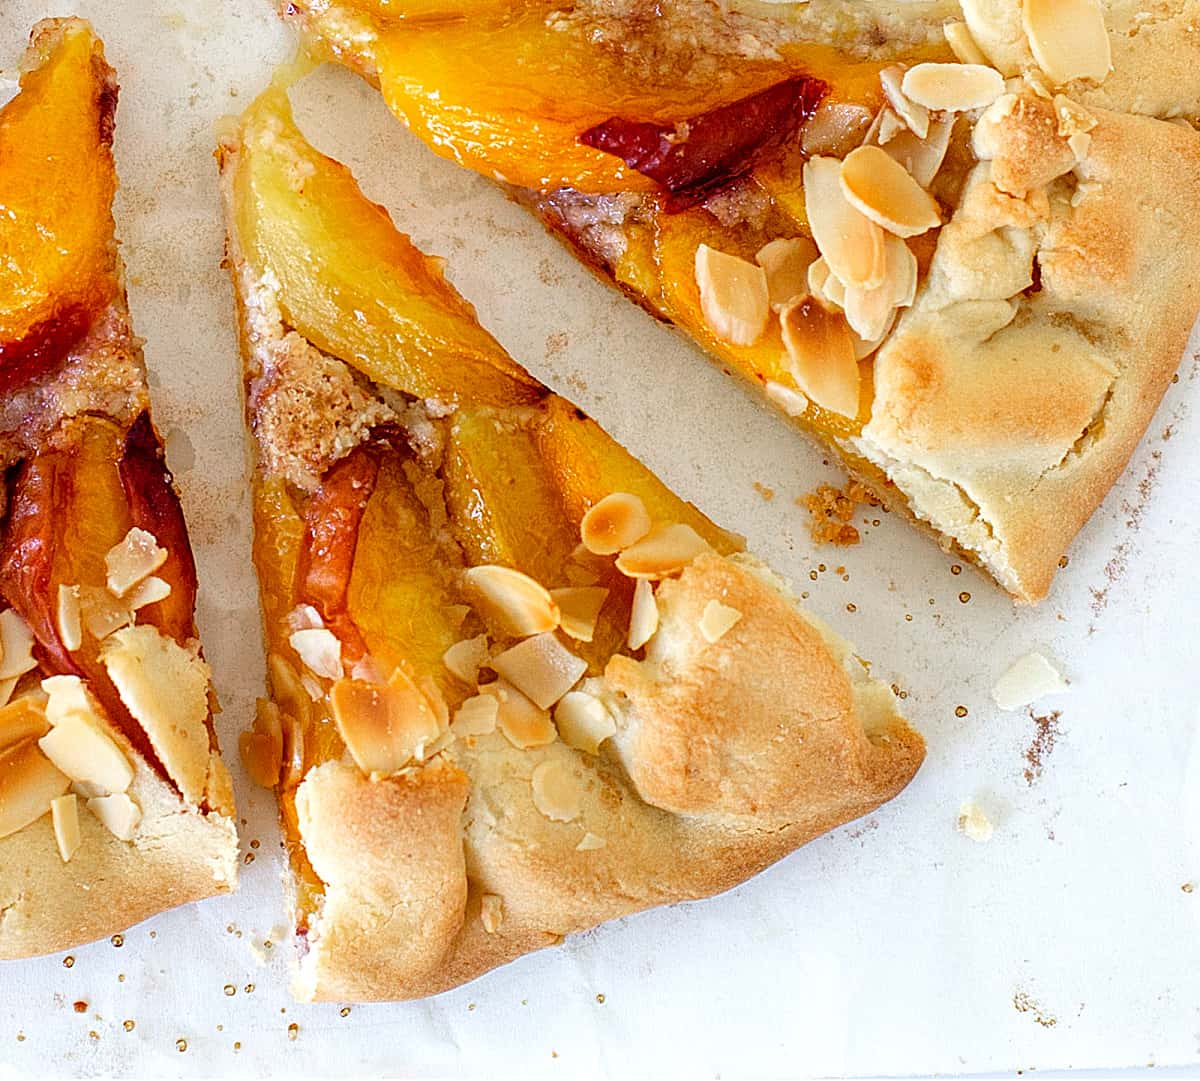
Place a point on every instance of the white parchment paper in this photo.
(894, 945)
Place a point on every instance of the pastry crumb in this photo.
(767, 493)
(973, 823)
(832, 508)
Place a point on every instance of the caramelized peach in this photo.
(56, 187)
(352, 284)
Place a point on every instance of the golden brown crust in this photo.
(406, 864)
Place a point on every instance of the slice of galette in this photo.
(518, 687)
(957, 246)
(114, 803)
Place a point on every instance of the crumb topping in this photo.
(832, 510)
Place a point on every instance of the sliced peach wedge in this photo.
(461, 577)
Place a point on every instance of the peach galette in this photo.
(114, 803)
(517, 686)
(957, 244)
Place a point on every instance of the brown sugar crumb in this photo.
(767, 493)
(833, 508)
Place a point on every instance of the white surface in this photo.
(895, 945)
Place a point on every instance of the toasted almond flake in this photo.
(304, 617)
(717, 620)
(491, 912)
(785, 262)
(915, 117)
(850, 243)
(135, 557)
(864, 347)
(524, 723)
(64, 814)
(21, 720)
(890, 125)
(835, 128)
(165, 687)
(1068, 39)
(28, 782)
(665, 550)
(262, 747)
(518, 603)
(1026, 680)
(556, 791)
(733, 295)
(476, 716)
(102, 612)
(973, 823)
(119, 814)
(312, 687)
(922, 158)
(384, 728)
(69, 618)
(465, 658)
(541, 668)
(820, 351)
(1072, 117)
(67, 697)
(871, 311)
(1080, 144)
(7, 686)
(956, 88)
(590, 842)
(16, 645)
(643, 615)
(579, 609)
(825, 288)
(320, 650)
(583, 721)
(294, 765)
(287, 690)
(149, 591)
(790, 400)
(962, 44)
(616, 522)
(82, 751)
(881, 188)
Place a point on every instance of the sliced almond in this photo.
(64, 815)
(465, 658)
(915, 117)
(262, 747)
(891, 124)
(69, 618)
(28, 782)
(1068, 38)
(864, 347)
(825, 288)
(87, 756)
(962, 43)
(590, 842)
(491, 912)
(119, 814)
(149, 591)
(521, 605)
(835, 128)
(579, 609)
(643, 615)
(664, 551)
(1080, 144)
(616, 522)
(583, 721)
(16, 645)
(956, 88)
(135, 557)
(541, 668)
(922, 158)
(871, 311)
(476, 716)
(733, 295)
(7, 686)
(786, 262)
(165, 687)
(384, 728)
(524, 723)
(557, 792)
(717, 620)
(21, 720)
(67, 697)
(288, 691)
(320, 650)
(820, 351)
(102, 612)
(790, 400)
(880, 187)
(295, 745)
(850, 243)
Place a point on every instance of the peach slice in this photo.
(56, 190)
(352, 284)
